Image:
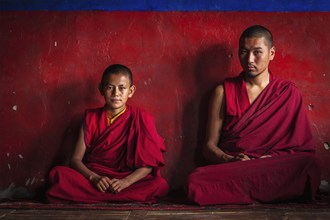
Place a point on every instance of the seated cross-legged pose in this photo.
(258, 138)
(118, 153)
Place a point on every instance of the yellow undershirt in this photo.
(112, 118)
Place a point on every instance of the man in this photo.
(118, 153)
(258, 136)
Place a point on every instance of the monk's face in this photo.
(116, 90)
(255, 55)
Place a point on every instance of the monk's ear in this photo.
(272, 53)
(131, 91)
(101, 89)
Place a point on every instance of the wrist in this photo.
(92, 178)
(128, 181)
(226, 157)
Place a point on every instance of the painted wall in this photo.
(51, 63)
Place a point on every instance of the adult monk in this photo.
(258, 137)
(118, 154)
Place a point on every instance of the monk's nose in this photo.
(115, 91)
(250, 58)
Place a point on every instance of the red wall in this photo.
(51, 63)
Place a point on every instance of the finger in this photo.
(99, 188)
(115, 188)
(105, 183)
(110, 189)
(102, 186)
(112, 181)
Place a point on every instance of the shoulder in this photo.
(94, 110)
(141, 118)
(219, 90)
(279, 83)
(230, 83)
(232, 80)
(93, 113)
(285, 88)
(217, 97)
(136, 111)
(283, 81)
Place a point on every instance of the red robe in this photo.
(131, 142)
(275, 124)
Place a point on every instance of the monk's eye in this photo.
(108, 87)
(242, 52)
(122, 88)
(257, 52)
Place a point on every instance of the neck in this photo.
(116, 111)
(261, 80)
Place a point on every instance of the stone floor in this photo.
(255, 213)
(175, 207)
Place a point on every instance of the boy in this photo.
(118, 154)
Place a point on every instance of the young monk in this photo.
(258, 135)
(118, 154)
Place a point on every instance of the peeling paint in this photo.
(310, 107)
(8, 154)
(326, 145)
(13, 192)
(33, 180)
(27, 182)
(20, 156)
(325, 185)
(147, 82)
(55, 43)
(15, 107)
(9, 167)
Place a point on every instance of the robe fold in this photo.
(276, 124)
(115, 150)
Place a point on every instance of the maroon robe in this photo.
(129, 143)
(275, 124)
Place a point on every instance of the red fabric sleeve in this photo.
(145, 145)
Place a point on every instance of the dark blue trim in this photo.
(167, 5)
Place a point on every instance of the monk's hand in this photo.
(102, 183)
(242, 157)
(117, 185)
(265, 156)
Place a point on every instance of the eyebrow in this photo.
(255, 48)
(109, 84)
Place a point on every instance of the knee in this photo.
(160, 185)
(309, 160)
(193, 177)
(56, 172)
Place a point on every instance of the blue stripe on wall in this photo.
(168, 5)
